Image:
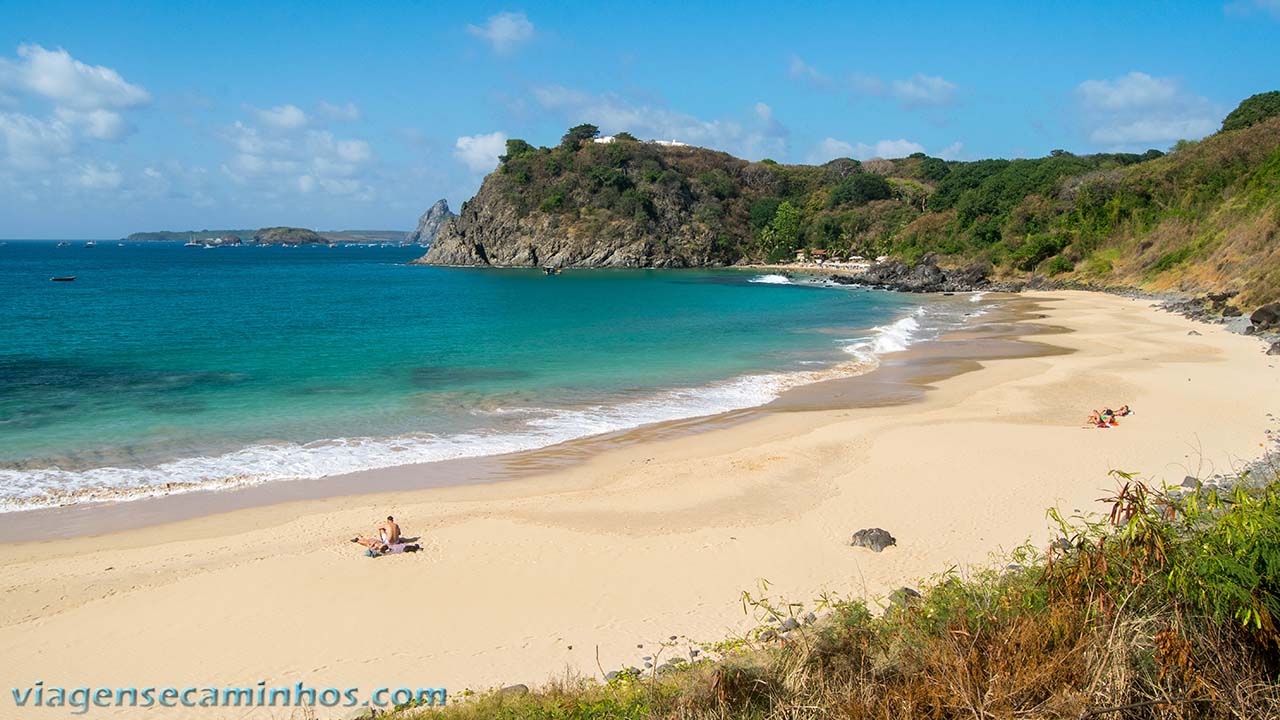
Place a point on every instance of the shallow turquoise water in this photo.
(162, 363)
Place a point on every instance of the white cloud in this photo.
(353, 151)
(97, 124)
(831, 148)
(297, 158)
(347, 112)
(99, 177)
(55, 75)
(1140, 110)
(1153, 131)
(282, 117)
(504, 31)
(954, 151)
(772, 127)
(247, 139)
(763, 136)
(801, 70)
(886, 149)
(1135, 91)
(921, 90)
(169, 181)
(87, 104)
(480, 152)
(30, 143)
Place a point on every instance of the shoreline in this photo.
(524, 580)
(101, 510)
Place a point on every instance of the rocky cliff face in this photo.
(430, 223)
(491, 230)
(623, 205)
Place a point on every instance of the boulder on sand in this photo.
(873, 538)
(1266, 317)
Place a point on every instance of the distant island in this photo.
(272, 236)
(1201, 217)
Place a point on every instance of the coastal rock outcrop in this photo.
(921, 277)
(498, 227)
(430, 223)
(1266, 317)
(876, 539)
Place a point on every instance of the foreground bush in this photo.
(1165, 608)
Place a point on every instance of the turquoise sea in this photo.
(213, 367)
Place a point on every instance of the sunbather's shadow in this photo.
(407, 540)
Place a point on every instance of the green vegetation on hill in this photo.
(1203, 217)
(1253, 110)
(1167, 608)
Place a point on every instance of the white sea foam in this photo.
(33, 488)
(254, 465)
(884, 339)
(772, 279)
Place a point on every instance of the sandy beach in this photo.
(528, 579)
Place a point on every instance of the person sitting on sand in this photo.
(389, 531)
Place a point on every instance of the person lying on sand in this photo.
(377, 548)
(1104, 419)
(375, 545)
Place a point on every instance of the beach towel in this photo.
(395, 549)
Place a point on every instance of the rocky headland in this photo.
(430, 223)
(1201, 219)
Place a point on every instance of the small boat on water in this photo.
(193, 243)
(65, 278)
(550, 270)
(91, 244)
(64, 244)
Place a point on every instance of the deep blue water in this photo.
(162, 363)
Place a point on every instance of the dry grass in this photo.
(1140, 615)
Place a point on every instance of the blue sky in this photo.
(117, 117)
